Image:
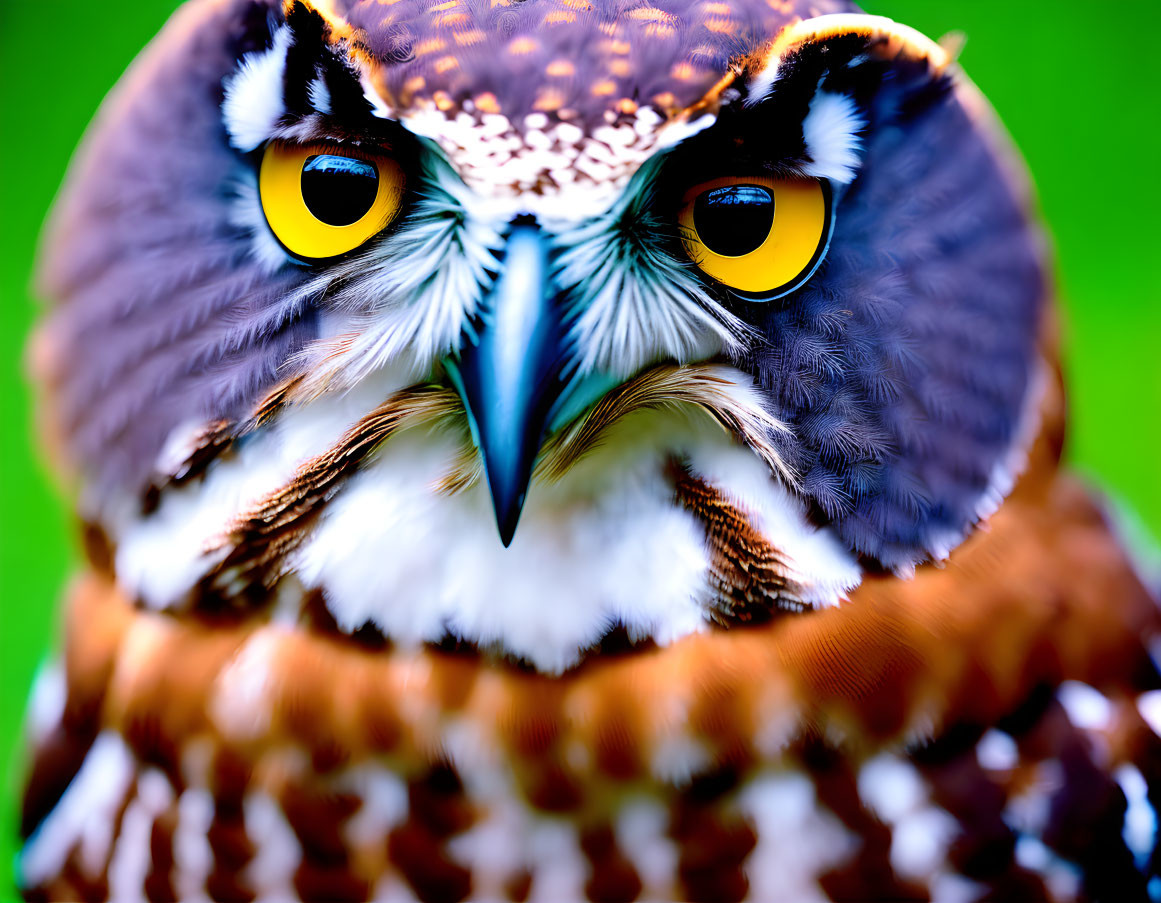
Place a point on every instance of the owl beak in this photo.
(508, 370)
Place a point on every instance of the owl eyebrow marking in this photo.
(319, 94)
(810, 73)
(830, 132)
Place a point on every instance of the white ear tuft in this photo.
(831, 133)
(254, 100)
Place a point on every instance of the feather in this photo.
(260, 539)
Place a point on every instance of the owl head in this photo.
(535, 324)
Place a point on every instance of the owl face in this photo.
(538, 325)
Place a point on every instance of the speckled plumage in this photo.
(799, 606)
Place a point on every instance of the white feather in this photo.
(46, 704)
(635, 305)
(85, 814)
(385, 805)
(642, 829)
(495, 847)
(241, 704)
(678, 757)
(277, 851)
(997, 751)
(560, 866)
(1149, 705)
(246, 213)
(1140, 826)
(1061, 876)
(798, 839)
(379, 108)
(891, 787)
(406, 301)
(920, 842)
(131, 856)
(319, 94)
(825, 568)
(682, 130)
(607, 543)
(831, 134)
(253, 94)
(446, 568)
(193, 857)
(1087, 707)
(161, 556)
(560, 174)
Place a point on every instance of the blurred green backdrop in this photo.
(1084, 113)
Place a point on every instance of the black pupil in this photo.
(733, 220)
(339, 190)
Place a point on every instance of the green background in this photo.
(1078, 91)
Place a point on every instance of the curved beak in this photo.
(508, 370)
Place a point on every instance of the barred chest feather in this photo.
(883, 750)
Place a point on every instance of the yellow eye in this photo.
(323, 200)
(759, 235)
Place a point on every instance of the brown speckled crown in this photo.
(578, 59)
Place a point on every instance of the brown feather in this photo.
(260, 540)
(748, 575)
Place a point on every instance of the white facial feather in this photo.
(409, 297)
(605, 544)
(253, 94)
(246, 213)
(817, 558)
(405, 301)
(554, 170)
(634, 304)
(831, 134)
(161, 556)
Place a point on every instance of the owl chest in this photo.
(274, 827)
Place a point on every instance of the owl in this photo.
(572, 450)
